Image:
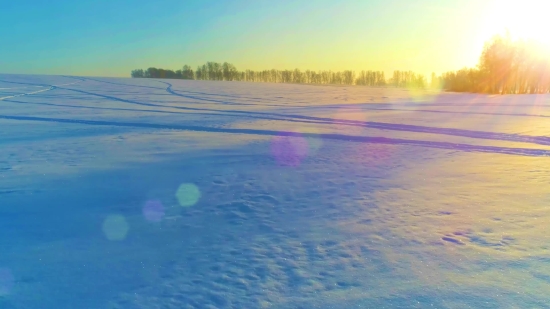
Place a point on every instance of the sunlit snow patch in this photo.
(115, 227)
(153, 211)
(7, 281)
(188, 194)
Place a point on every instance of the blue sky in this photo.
(109, 38)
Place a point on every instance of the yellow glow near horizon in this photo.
(380, 35)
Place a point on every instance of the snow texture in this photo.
(142, 193)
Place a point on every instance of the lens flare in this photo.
(153, 211)
(289, 149)
(423, 97)
(115, 227)
(314, 143)
(312, 136)
(7, 281)
(188, 194)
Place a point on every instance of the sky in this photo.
(112, 37)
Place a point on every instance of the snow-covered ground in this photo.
(140, 193)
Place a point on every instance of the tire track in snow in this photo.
(341, 137)
(170, 91)
(21, 87)
(20, 83)
(157, 111)
(541, 140)
(28, 93)
(112, 83)
(363, 107)
(52, 87)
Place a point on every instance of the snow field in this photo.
(139, 193)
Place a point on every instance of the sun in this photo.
(526, 19)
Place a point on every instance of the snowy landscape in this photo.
(158, 193)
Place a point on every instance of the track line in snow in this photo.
(28, 93)
(341, 137)
(541, 140)
(35, 92)
(172, 92)
(67, 84)
(22, 87)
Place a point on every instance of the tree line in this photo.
(506, 66)
(228, 72)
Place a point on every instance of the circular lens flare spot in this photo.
(313, 138)
(289, 149)
(7, 281)
(188, 194)
(153, 211)
(115, 227)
